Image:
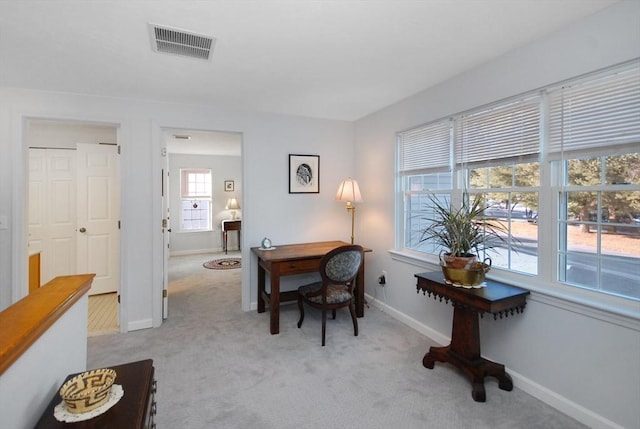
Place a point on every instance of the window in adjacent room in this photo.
(195, 194)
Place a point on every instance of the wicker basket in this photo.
(87, 391)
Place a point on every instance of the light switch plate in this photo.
(4, 222)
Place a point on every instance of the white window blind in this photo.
(425, 149)
(506, 131)
(598, 112)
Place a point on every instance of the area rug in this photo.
(223, 264)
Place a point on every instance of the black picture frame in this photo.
(304, 174)
(229, 186)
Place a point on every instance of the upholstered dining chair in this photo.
(338, 271)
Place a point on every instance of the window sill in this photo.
(187, 231)
(611, 309)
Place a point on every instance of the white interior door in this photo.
(98, 232)
(52, 211)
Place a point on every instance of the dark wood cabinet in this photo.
(135, 410)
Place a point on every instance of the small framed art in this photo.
(229, 186)
(304, 174)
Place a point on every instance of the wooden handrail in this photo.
(24, 322)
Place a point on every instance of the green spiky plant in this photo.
(464, 231)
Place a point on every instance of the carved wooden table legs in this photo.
(464, 353)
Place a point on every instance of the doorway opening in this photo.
(73, 218)
(202, 191)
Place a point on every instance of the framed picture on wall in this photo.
(304, 174)
(229, 186)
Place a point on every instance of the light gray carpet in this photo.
(218, 367)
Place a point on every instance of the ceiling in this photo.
(326, 59)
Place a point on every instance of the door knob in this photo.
(83, 229)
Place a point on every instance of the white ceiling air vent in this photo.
(180, 42)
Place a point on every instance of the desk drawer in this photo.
(301, 266)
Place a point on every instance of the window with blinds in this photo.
(595, 114)
(594, 144)
(506, 131)
(425, 149)
(424, 158)
(578, 141)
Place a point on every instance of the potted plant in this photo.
(463, 233)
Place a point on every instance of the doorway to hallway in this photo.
(73, 215)
(197, 154)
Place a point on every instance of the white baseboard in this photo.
(140, 324)
(438, 337)
(570, 408)
(559, 402)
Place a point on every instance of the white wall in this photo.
(38, 373)
(583, 361)
(222, 168)
(55, 134)
(268, 208)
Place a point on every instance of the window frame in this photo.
(546, 280)
(205, 196)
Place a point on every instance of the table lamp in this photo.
(232, 204)
(350, 192)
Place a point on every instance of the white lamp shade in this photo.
(349, 191)
(232, 204)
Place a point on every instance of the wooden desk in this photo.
(293, 259)
(135, 410)
(464, 351)
(230, 225)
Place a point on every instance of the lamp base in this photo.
(352, 209)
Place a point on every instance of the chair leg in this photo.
(352, 310)
(333, 313)
(301, 308)
(324, 325)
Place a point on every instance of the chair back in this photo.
(341, 265)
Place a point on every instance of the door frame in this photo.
(160, 265)
(20, 204)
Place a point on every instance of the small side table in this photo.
(230, 225)
(464, 351)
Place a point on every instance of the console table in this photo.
(135, 410)
(230, 225)
(464, 351)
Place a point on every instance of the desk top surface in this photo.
(298, 251)
(496, 296)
